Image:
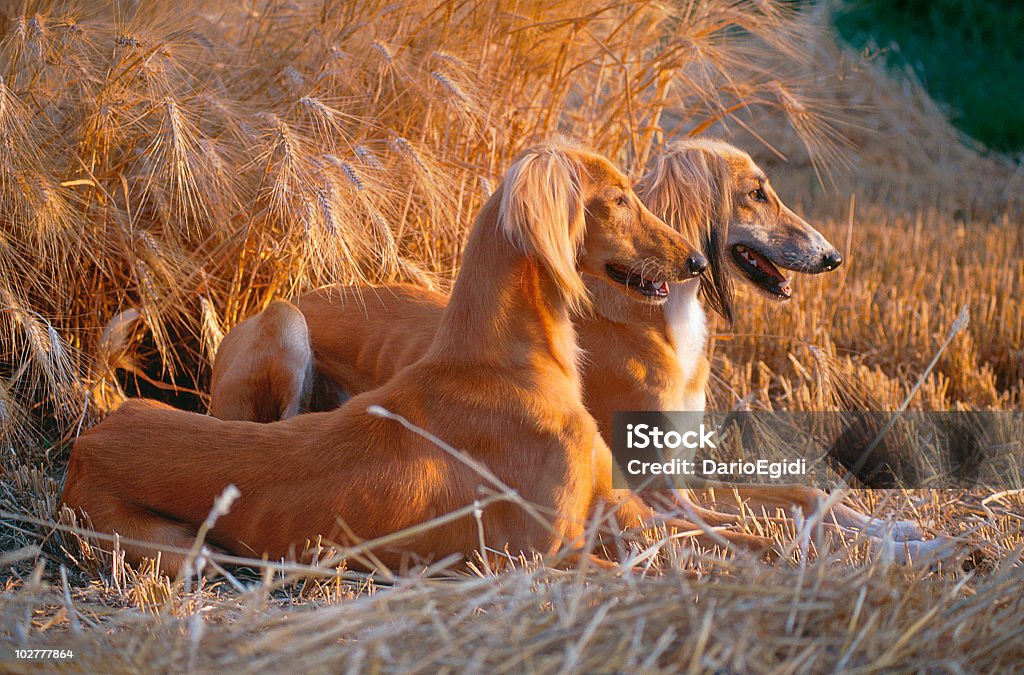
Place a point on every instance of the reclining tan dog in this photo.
(644, 344)
(499, 379)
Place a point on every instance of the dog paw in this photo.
(919, 551)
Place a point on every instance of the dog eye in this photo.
(759, 195)
(622, 200)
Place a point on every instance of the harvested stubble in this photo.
(192, 165)
(813, 615)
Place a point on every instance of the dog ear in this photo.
(690, 188)
(542, 214)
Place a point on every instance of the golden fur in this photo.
(636, 358)
(498, 379)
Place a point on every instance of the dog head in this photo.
(713, 192)
(577, 213)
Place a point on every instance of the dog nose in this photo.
(696, 263)
(831, 260)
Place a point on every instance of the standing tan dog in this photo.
(499, 379)
(644, 349)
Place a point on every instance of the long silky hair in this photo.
(690, 187)
(542, 214)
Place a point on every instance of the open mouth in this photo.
(649, 288)
(762, 271)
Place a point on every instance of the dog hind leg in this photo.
(135, 524)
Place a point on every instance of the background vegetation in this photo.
(190, 162)
(966, 54)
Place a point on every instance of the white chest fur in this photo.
(688, 333)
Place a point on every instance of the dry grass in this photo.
(807, 613)
(864, 334)
(899, 150)
(193, 164)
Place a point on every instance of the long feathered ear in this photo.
(690, 187)
(542, 214)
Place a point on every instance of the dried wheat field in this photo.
(188, 163)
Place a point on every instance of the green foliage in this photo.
(969, 55)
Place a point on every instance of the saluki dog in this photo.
(644, 348)
(498, 380)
